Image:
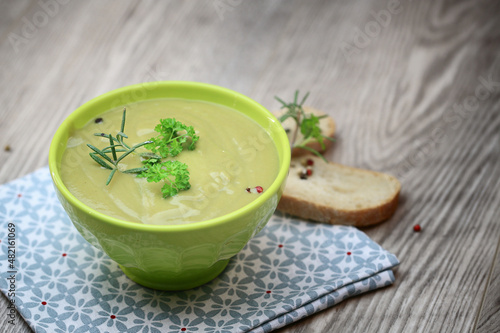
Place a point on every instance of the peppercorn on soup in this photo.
(232, 163)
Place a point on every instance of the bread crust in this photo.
(298, 200)
(320, 213)
(305, 207)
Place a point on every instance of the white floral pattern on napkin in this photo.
(292, 269)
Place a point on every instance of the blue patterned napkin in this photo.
(60, 283)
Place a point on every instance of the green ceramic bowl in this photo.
(171, 257)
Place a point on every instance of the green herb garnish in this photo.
(173, 173)
(173, 134)
(170, 142)
(308, 124)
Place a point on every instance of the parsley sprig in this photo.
(173, 136)
(308, 124)
(173, 173)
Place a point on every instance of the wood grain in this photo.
(488, 320)
(419, 97)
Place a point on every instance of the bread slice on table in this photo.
(338, 194)
(326, 124)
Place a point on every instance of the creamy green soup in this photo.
(232, 155)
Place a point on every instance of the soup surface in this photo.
(233, 153)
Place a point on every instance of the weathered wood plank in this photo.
(12, 16)
(489, 317)
(397, 96)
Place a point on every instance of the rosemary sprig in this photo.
(116, 145)
(308, 124)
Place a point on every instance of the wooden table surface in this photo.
(414, 87)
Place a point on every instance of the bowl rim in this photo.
(64, 127)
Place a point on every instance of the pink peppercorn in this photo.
(256, 189)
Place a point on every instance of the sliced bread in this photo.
(327, 125)
(338, 194)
